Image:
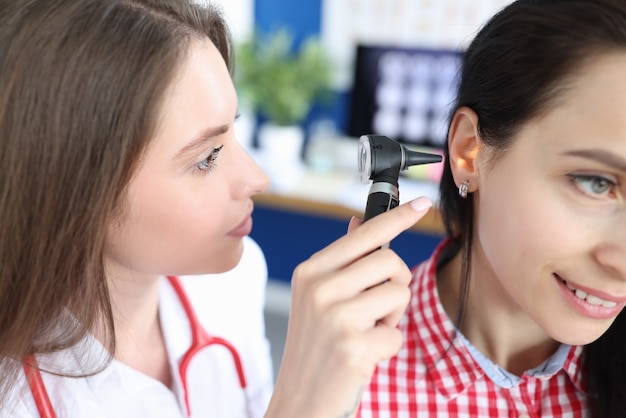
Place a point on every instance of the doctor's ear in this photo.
(464, 145)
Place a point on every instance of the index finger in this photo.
(371, 235)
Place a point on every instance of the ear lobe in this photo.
(463, 146)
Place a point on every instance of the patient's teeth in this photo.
(590, 299)
(594, 300)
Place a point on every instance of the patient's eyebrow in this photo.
(602, 156)
(201, 140)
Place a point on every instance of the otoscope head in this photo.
(381, 159)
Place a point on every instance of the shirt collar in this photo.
(573, 367)
(447, 359)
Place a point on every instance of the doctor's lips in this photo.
(244, 228)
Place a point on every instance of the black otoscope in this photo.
(381, 159)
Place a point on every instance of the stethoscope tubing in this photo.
(200, 340)
(37, 387)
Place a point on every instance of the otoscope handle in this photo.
(381, 198)
(378, 203)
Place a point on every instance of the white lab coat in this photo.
(229, 305)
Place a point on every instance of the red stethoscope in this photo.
(200, 339)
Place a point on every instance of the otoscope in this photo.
(381, 159)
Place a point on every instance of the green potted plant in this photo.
(281, 84)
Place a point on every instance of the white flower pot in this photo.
(281, 143)
(281, 149)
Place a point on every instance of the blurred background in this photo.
(312, 76)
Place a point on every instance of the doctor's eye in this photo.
(593, 185)
(208, 164)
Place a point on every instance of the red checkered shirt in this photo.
(437, 375)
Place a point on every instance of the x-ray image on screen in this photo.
(404, 93)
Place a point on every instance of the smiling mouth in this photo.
(584, 296)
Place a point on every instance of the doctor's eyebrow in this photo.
(605, 157)
(201, 140)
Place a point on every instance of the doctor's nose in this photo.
(252, 178)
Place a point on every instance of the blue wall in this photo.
(303, 19)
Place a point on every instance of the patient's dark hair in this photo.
(515, 70)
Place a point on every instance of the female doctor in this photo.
(121, 176)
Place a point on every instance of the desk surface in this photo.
(431, 223)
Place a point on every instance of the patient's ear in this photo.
(464, 145)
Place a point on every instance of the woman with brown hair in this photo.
(121, 175)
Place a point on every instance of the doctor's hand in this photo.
(347, 300)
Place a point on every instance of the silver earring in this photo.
(463, 188)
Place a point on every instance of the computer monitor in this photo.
(403, 93)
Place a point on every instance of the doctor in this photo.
(122, 183)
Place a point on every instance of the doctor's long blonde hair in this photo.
(81, 86)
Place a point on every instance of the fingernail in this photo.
(420, 204)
